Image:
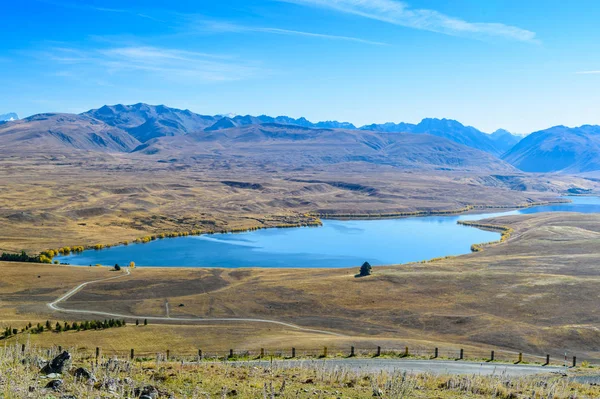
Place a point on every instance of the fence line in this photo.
(199, 354)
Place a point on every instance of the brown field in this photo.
(537, 293)
(93, 198)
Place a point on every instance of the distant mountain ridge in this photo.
(146, 122)
(11, 116)
(290, 143)
(64, 132)
(505, 140)
(558, 149)
(124, 128)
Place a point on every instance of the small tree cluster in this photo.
(65, 326)
(9, 331)
(23, 257)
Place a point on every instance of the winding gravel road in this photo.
(366, 365)
(55, 307)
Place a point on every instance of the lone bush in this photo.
(365, 270)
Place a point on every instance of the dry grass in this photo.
(88, 199)
(20, 377)
(537, 293)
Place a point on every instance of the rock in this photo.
(111, 385)
(55, 385)
(68, 397)
(83, 374)
(59, 364)
(378, 393)
(148, 390)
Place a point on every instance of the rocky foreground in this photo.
(70, 375)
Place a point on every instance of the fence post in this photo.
(351, 351)
(492, 356)
(293, 352)
(378, 351)
(435, 353)
(22, 348)
(200, 354)
(168, 354)
(230, 353)
(520, 358)
(59, 349)
(325, 351)
(547, 360)
(97, 354)
(462, 354)
(262, 352)
(406, 351)
(132, 354)
(574, 361)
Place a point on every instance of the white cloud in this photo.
(219, 27)
(169, 63)
(399, 13)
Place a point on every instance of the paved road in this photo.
(55, 306)
(415, 366)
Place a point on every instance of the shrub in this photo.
(365, 270)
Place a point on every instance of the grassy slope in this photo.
(537, 293)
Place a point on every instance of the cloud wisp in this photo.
(399, 13)
(226, 27)
(166, 63)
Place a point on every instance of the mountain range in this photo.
(145, 122)
(299, 148)
(446, 143)
(558, 149)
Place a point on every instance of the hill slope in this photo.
(457, 132)
(446, 128)
(63, 132)
(558, 149)
(296, 146)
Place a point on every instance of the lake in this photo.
(338, 243)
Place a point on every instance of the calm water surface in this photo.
(336, 244)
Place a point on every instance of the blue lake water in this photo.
(335, 244)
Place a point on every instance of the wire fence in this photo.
(240, 355)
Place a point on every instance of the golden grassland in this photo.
(91, 199)
(535, 293)
(120, 377)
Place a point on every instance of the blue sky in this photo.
(519, 65)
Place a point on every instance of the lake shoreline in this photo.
(479, 245)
